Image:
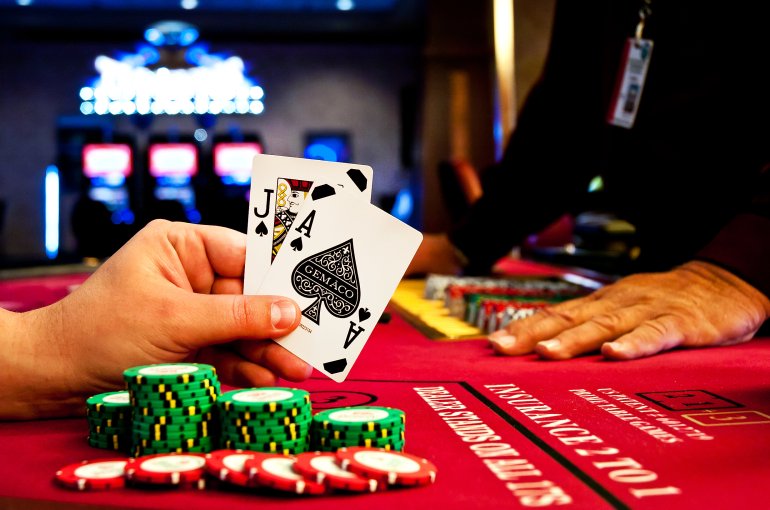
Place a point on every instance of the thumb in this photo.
(210, 319)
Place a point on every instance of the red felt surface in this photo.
(710, 409)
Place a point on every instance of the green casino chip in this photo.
(285, 448)
(174, 443)
(326, 444)
(110, 402)
(188, 410)
(210, 392)
(362, 418)
(357, 434)
(286, 421)
(259, 428)
(249, 436)
(169, 373)
(175, 404)
(109, 431)
(177, 387)
(119, 444)
(165, 434)
(173, 420)
(109, 422)
(138, 451)
(261, 401)
(201, 426)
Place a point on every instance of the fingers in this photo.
(649, 338)
(227, 286)
(200, 320)
(255, 363)
(591, 334)
(205, 251)
(235, 370)
(274, 357)
(520, 337)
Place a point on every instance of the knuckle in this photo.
(608, 322)
(553, 314)
(243, 316)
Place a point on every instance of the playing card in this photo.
(341, 262)
(279, 186)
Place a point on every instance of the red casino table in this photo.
(688, 429)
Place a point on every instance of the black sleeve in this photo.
(544, 166)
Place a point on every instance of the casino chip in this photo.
(369, 426)
(228, 466)
(323, 468)
(275, 471)
(187, 469)
(269, 420)
(393, 468)
(109, 420)
(100, 474)
(173, 408)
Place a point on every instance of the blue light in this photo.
(404, 205)
(322, 152)
(51, 201)
(193, 215)
(154, 36)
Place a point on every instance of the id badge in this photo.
(628, 89)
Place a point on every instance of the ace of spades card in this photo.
(279, 186)
(341, 262)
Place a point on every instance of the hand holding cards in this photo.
(337, 255)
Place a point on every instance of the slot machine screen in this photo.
(333, 147)
(232, 161)
(106, 165)
(173, 165)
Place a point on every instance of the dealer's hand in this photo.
(173, 293)
(695, 305)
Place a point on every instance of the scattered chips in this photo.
(275, 471)
(393, 468)
(93, 475)
(168, 469)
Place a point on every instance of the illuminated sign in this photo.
(212, 84)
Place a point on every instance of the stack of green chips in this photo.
(272, 420)
(109, 421)
(173, 408)
(369, 426)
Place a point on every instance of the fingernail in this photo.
(502, 339)
(550, 345)
(282, 313)
(614, 349)
(308, 371)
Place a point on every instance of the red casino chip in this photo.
(275, 471)
(102, 474)
(323, 468)
(228, 466)
(185, 469)
(391, 467)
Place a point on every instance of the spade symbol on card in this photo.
(296, 244)
(331, 278)
(261, 229)
(363, 314)
(336, 366)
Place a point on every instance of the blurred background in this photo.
(115, 112)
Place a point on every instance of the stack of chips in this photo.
(173, 408)
(368, 426)
(270, 420)
(109, 421)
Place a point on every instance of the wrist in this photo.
(37, 373)
(715, 272)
